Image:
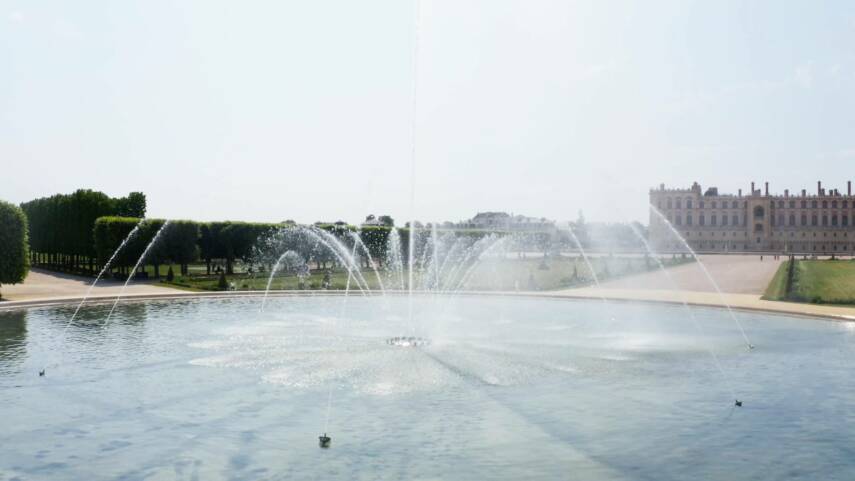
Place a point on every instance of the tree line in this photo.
(80, 232)
(60, 226)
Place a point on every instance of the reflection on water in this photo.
(503, 389)
(13, 340)
(94, 316)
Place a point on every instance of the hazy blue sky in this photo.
(303, 109)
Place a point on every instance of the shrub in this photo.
(14, 247)
(222, 284)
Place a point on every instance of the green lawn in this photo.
(777, 288)
(491, 274)
(258, 282)
(816, 281)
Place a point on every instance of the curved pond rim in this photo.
(793, 309)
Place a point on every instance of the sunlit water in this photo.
(505, 389)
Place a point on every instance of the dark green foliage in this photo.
(222, 284)
(170, 276)
(14, 247)
(211, 242)
(131, 206)
(61, 225)
(108, 233)
(375, 239)
(231, 241)
(177, 244)
(180, 243)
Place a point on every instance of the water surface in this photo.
(507, 389)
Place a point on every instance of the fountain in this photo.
(435, 362)
(134, 270)
(104, 269)
(703, 268)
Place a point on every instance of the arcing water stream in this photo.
(706, 272)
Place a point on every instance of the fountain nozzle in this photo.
(737, 403)
(324, 441)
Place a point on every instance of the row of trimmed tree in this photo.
(181, 242)
(61, 226)
(81, 232)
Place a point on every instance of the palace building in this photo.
(820, 223)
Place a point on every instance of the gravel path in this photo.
(738, 274)
(42, 284)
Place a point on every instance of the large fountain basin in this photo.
(506, 389)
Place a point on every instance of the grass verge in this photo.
(815, 281)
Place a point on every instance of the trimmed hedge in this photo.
(177, 244)
(14, 245)
(231, 241)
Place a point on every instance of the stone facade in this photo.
(821, 224)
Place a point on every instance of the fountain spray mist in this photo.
(104, 269)
(706, 273)
(412, 235)
(587, 263)
(685, 303)
(134, 270)
(127, 239)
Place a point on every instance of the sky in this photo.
(332, 110)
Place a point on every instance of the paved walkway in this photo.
(713, 299)
(733, 273)
(741, 278)
(42, 284)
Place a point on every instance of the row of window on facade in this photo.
(814, 204)
(678, 203)
(677, 219)
(804, 247)
(780, 220)
(815, 220)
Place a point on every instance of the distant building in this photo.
(758, 222)
(382, 221)
(502, 221)
(372, 221)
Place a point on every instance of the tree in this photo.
(387, 221)
(376, 240)
(109, 232)
(134, 205)
(211, 245)
(231, 241)
(14, 245)
(61, 225)
(180, 243)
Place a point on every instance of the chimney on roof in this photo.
(752, 188)
(740, 192)
(767, 189)
(662, 186)
(786, 192)
(818, 187)
(848, 187)
(804, 192)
